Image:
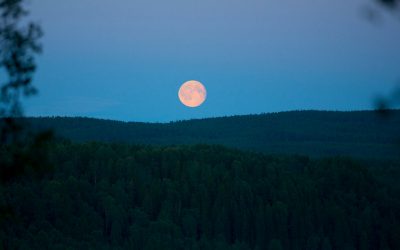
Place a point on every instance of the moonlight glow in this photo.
(192, 93)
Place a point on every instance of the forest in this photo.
(122, 196)
(359, 134)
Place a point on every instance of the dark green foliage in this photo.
(109, 196)
(29, 158)
(359, 134)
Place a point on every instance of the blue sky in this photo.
(126, 59)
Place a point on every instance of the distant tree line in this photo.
(361, 134)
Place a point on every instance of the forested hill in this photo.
(112, 196)
(316, 133)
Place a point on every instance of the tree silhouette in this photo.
(393, 4)
(19, 43)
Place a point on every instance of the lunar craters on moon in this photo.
(192, 93)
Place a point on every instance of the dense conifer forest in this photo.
(121, 196)
(361, 134)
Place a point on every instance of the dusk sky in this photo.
(126, 59)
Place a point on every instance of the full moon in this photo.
(192, 93)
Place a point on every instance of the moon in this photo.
(192, 93)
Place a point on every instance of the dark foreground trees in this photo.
(105, 196)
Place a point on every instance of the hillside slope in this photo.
(113, 196)
(361, 134)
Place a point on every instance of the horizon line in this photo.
(205, 118)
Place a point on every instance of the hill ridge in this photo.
(316, 133)
(213, 117)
